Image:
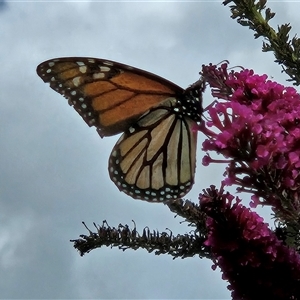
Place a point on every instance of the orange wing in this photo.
(108, 95)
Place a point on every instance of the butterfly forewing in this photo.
(155, 157)
(101, 91)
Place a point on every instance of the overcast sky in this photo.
(54, 167)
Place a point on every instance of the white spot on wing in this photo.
(108, 63)
(104, 69)
(76, 81)
(98, 75)
(83, 69)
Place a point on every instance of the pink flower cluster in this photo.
(252, 259)
(256, 126)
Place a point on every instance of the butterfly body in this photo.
(154, 159)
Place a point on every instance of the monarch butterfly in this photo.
(155, 158)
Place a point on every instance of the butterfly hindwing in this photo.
(154, 160)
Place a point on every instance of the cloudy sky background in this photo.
(54, 167)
